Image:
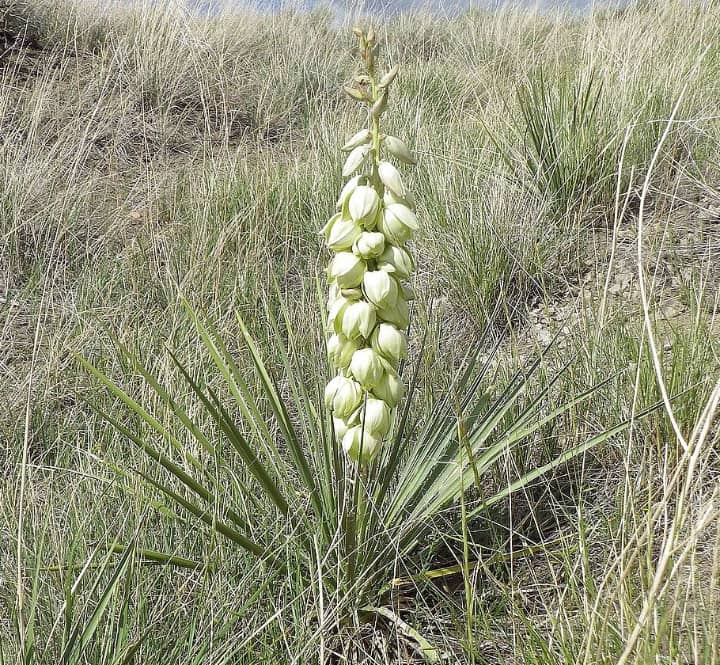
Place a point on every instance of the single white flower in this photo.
(342, 396)
(396, 260)
(388, 78)
(408, 200)
(390, 177)
(370, 245)
(336, 307)
(366, 367)
(358, 319)
(398, 315)
(348, 189)
(342, 235)
(390, 342)
(360, 446)
(363, 204)
(398, 149)
(380, 288)
(398, 223)
(355, 159)
(389, 389)
(340, 349)
(347, 269)
(363, 136)
(374, 417)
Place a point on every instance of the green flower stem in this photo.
(375, 129)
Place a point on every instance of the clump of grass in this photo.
(491, 262)
(558, 145)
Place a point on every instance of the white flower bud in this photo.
(325, 230)
(347, 269)
(335, 312)
(348, 189)
(363, 136)
(408, 200)
(390, 342)
(378, 108)
(369, 245)
(398, 223)
(360, 446)
(389, 389)
(398, 315)
(390, 177)
(396, 260)
(358, 319)
(364, 203)
(388, 78)
(398, 149)
(355, 159)
(341, 349)
(366, 367)
(342, 396)
(380, 288)
(374, 417)
(357, 95)
(342, 235)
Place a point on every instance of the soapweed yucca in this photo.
(368, 302)
(566, 150)
(364, 514)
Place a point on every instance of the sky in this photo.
(441, 6)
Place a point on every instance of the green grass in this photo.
(148, 153)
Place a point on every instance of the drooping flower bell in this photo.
(368, 312)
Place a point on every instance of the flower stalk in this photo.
(368, 296)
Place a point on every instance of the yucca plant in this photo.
(566, 150)
(360, 483)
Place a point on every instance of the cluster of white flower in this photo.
(368, 302)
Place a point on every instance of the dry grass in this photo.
(147, 152)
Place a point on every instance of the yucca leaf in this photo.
(181, 414)
(238, 387)
(283, 419)
(138, 410)
(520, 430)
(306, 411)
(446, 492)
(431, 475)
(429, 653)
(561, 459)
(400, 441)
(81, 636)
(155, 557)
(418, 486)
(211, 520)
(311, 422)
(176, 470)
(224, 422)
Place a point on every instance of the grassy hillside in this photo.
(568, 184)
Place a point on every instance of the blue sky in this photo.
(442, 6)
